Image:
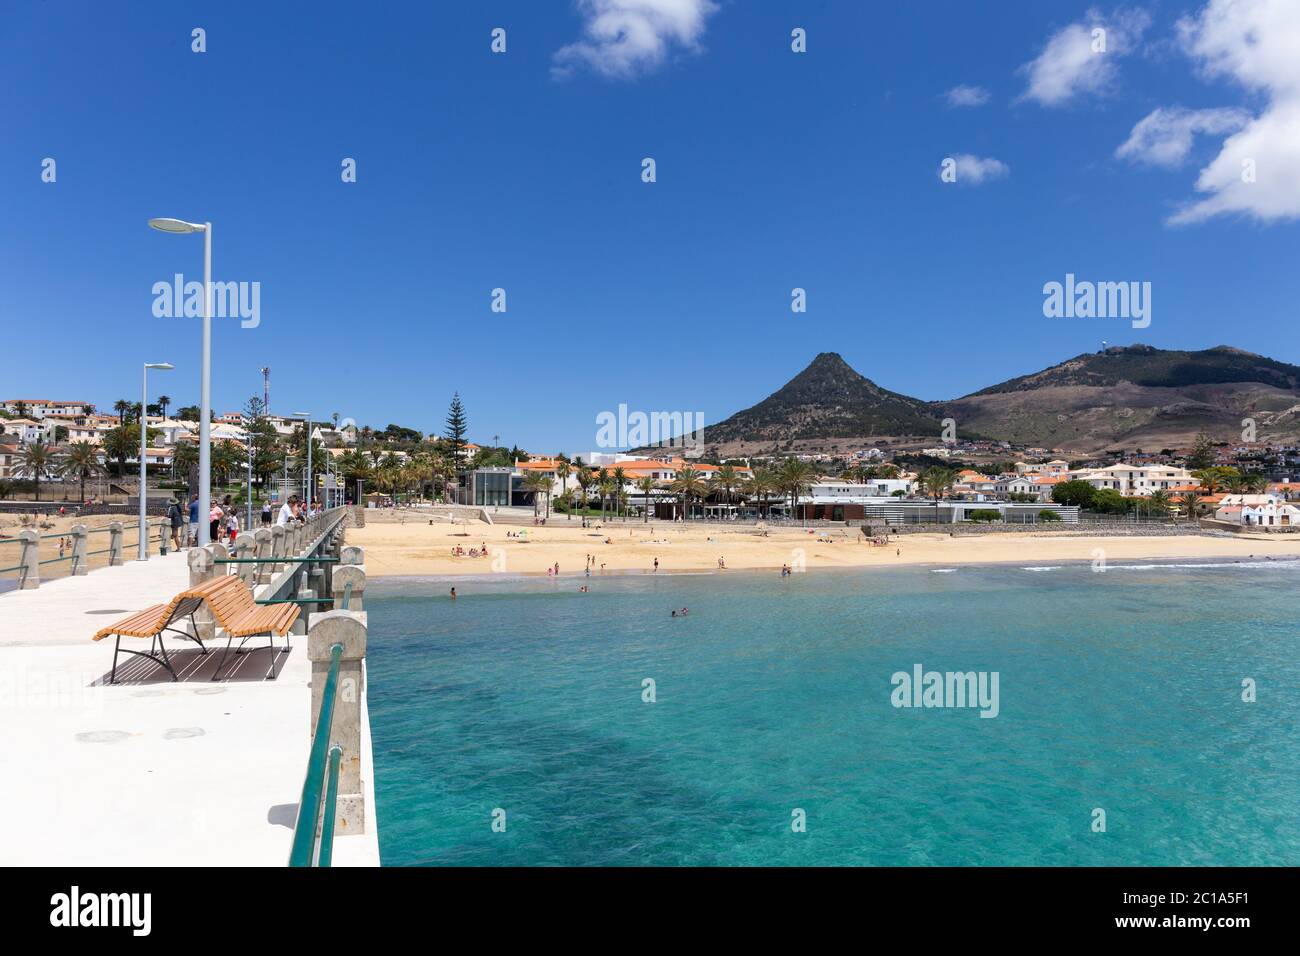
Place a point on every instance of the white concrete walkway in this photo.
(148, 771)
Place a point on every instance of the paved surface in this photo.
(148, 771)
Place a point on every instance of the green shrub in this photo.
(984, 514)
(1048, 515)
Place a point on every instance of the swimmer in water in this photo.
(453, 594)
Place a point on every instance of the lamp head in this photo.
(176, 225)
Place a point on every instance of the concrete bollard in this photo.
(278, 542)
(202, 569)
(358, 516)
(317, 581)
(349, 629)
(246, 547)
(352, 554)
(219, 553)
(115, 544)
(79, 538)
(263, 538)
(30, 559)
(343, 576)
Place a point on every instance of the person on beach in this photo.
(656, 564)
(174, 519)
(266, 514)
(453, 594)
(722, 564)
(214, 522)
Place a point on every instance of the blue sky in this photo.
(522, 171)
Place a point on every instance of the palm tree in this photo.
(539, 483)
(163, 402)
(1159, 501)
(226, 457)
(1236, 483)
(80, 462)
(602, 485)
(689, 484)
(33, 462)
(794, 478)
(121, 406)
(562, 469)
(1192, 502)
(1256, 482)
(646, 485)
(584, 479)
(608, 490)
(620, 483)
(762, 484)
(354, 466)
(726, 480)
(120, 444)
(1209, 479)
(938, 481)
(184, 454)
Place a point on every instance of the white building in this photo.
(1048, 469)
(39, 407)
(1135, 481)
(1267, 511)
(841, 492)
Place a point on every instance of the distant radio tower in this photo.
(266, 390)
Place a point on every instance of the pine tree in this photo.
(457, 425)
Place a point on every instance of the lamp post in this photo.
(144, 446)
(306, 434)
(179, 226)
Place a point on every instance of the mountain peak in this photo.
(828, 398)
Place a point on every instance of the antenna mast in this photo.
(266, 390)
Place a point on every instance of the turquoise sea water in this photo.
(1120, 690)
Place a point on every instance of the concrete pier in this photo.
(149, 771)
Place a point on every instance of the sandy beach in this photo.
(406, 544)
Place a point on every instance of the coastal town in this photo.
(67, 457)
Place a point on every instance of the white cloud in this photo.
(967, 96)
(1077, 59)
(976, 169)
(623, 38)
(1164, 138)
(1257, 44)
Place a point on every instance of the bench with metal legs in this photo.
(152, 623)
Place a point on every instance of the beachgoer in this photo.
(174, 519)
(287, 511)
(453, 594)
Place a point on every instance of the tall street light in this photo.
(205, 402)
(144, 446)
(306, 431)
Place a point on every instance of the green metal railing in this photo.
(75, 559)
(322, 781)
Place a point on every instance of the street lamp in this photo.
(144, 445)
(306, 434)
(179, 226)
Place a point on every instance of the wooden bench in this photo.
(233, 608)
(151, 623)
(240, 616)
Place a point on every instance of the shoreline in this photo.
(1223, 561)
(395, 550)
